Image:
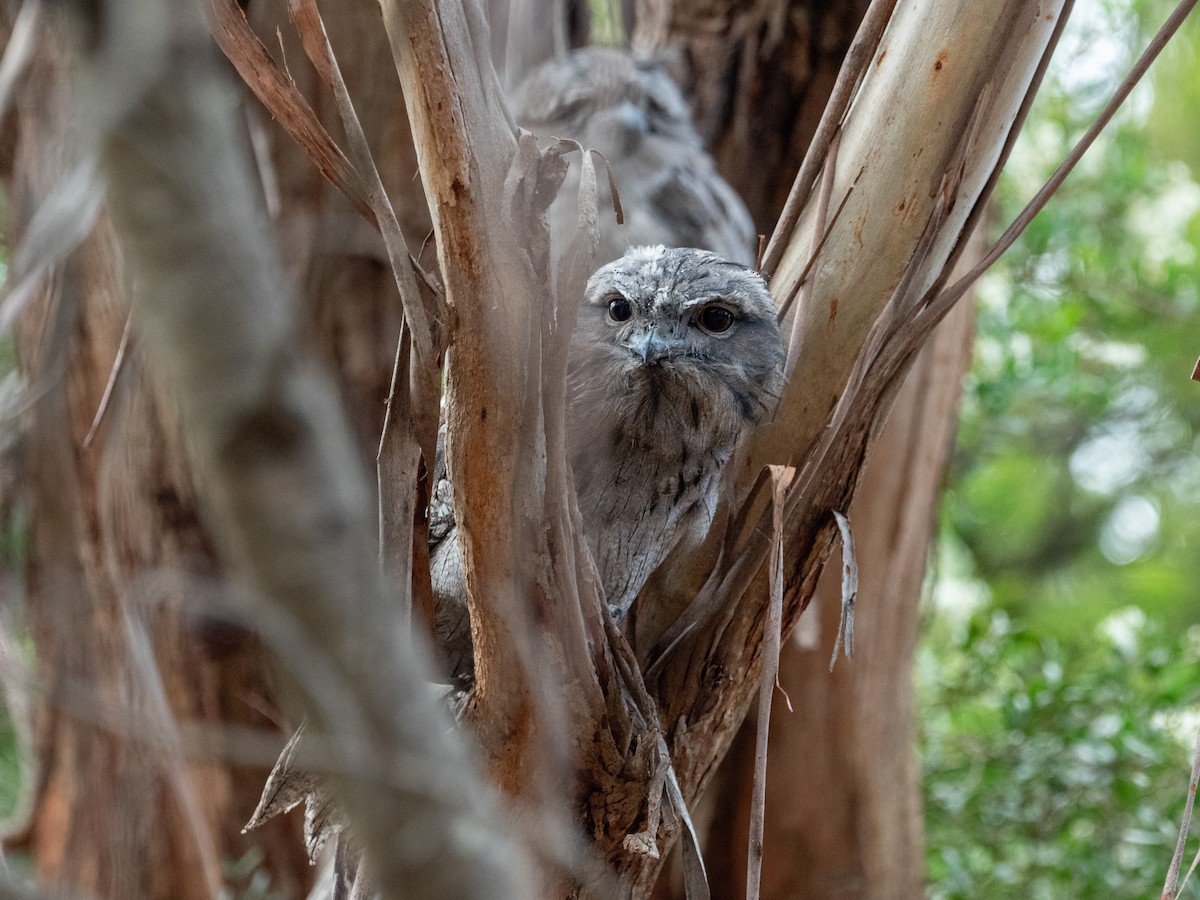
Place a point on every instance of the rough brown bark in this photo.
(115, 538)
(948, 155)
(286, 497)
(351, 305)
(213, 672)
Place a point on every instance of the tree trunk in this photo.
(351, 304)
(843, 813)
(916, 180)
(140, 546)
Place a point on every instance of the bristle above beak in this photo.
(650, 348)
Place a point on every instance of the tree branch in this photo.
(506, 371)
(282, 480)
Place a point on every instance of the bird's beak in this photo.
(632, 119)
(650, 347)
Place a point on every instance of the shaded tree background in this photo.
(114, 545)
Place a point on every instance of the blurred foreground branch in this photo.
(284, 487)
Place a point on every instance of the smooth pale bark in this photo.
(925, 133)
(914, 142)
(843, 814)
(923, 138)
(843, 781)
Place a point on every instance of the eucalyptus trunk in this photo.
(904, 185)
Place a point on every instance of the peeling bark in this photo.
(844, 809)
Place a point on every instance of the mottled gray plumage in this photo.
(452, 625)
(676, 354)
(630, 110)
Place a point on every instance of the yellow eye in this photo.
(715, 318)
(620, 309)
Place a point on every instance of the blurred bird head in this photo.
(606, 99)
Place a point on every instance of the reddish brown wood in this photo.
(135, 523)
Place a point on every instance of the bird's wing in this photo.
(452, 622)
(441, 500)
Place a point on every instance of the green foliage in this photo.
(606, 25)
(1059, 702)
(1076, 475)
(10, 765)
(1054, 772)
(246, 879)
(1177, 96)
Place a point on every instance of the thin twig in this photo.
(383, 431)
(152, 703)
(781, 478)
(315, 40)
(19, 50)
(118, 360)
(1010, 141)
(1170, 888)
(786, 306)
(821, 232)
(283, 100)
(1191, 869)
